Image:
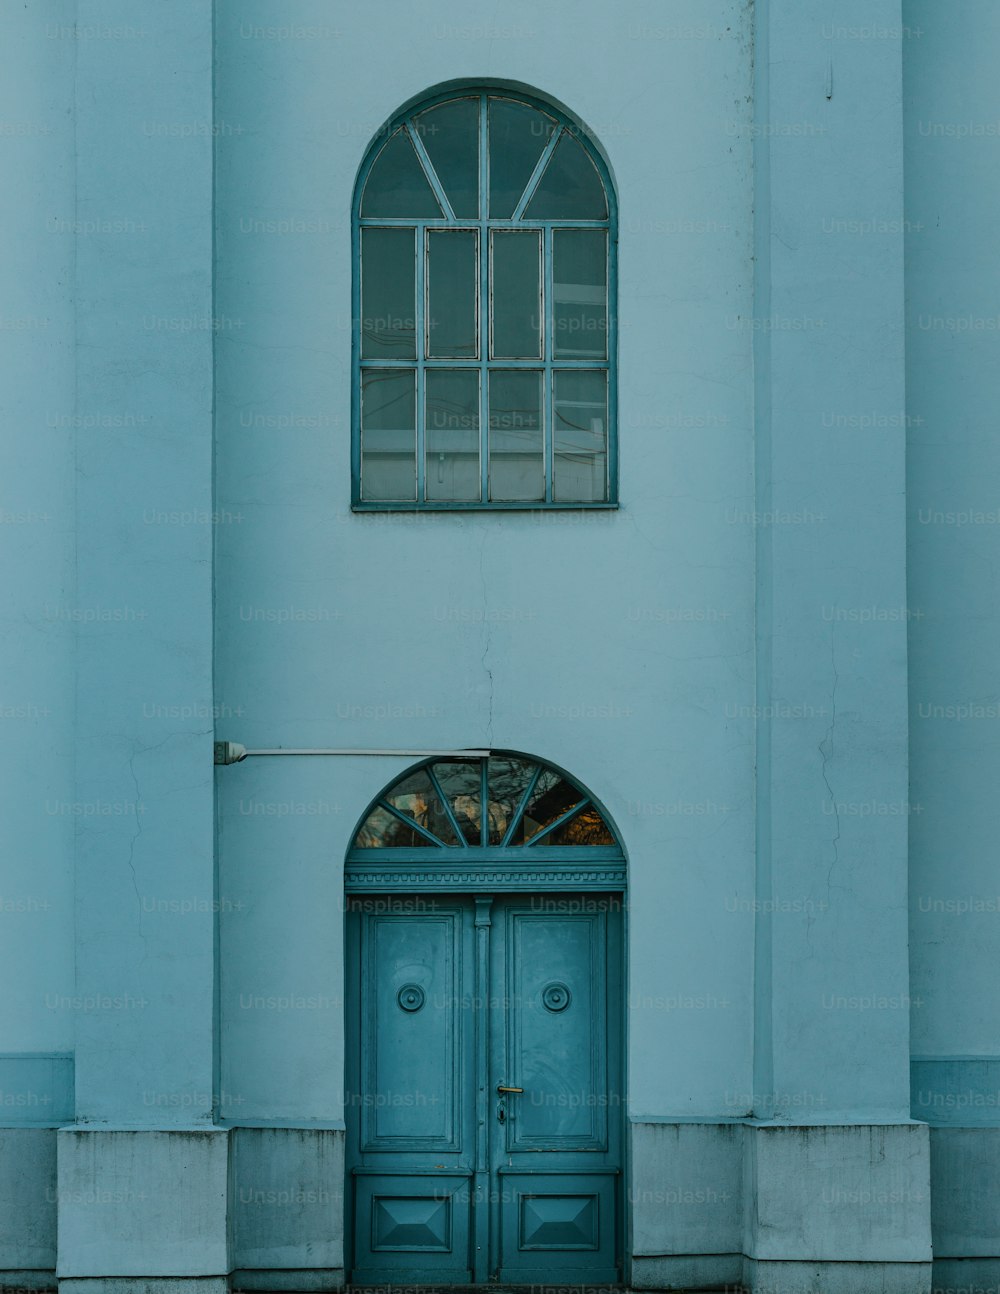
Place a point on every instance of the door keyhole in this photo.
(501, 1113)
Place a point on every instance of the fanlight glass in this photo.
(397, 185)
(442, 804)
(519, 142)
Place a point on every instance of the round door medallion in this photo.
(555, 996)
(410, 997)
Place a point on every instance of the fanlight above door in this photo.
(441, 822)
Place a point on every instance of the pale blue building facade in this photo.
(771, 665)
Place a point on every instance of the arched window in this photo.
(484, 310)
(499, 821)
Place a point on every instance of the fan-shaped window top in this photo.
(538, 168)
(484, 310)
(504, 801)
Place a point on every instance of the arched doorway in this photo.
(484, 1030)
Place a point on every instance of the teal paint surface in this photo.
(953, 541)
(36, 1089)
(452, 1178)
(666, 652)
(617, 644)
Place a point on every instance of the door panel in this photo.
(447, 1005)
(556, 1152)
(410, 1052)
(412, 1228)
(559, 1227)
(556, 1031)
(411, 1109)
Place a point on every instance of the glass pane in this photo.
(396, 184)
(452, 434)
(570, 189)
(388, 434)
(585, 828)
(452, 278)
(388, 285)
(516, 294)
(383, 830)
(450, 133)
(415, 796)
(517, 466)
(462, 784)
(580, 447)
(517, 136)
(508, 779)
(580, 293)
(551, 798)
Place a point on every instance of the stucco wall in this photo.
(743, 612)
(952, 188)
(953, 283)
(618, 645)
(42, 612)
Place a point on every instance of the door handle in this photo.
(501, 1089)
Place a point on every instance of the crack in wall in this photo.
(136, 751)
(826, 751)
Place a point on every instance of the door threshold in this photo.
(487, 1288)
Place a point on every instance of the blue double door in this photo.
(485, 1095)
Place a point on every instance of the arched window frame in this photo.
(484, 224)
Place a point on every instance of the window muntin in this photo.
(442, 802)
(485, 247)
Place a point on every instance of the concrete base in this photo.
(687, 1272)
(828, 1208)
(150, 1212)
(965, 1188)
(686, 1189)
(836, 1278)
(303, 1279)
(286, 1204)
(842, 1194)
(779, 1208)
(145, 1285)
(14, 1282)
(143, 1204)
(27, 1206)
(966, 1276)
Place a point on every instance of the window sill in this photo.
(484, 507)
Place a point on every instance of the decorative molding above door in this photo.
(502, 823)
